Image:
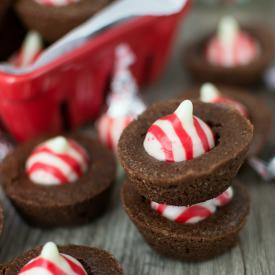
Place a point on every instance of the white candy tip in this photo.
(185, 111)
(59, 144)
(34, 37)
(50, 251)
(228, 27)
(208, 92)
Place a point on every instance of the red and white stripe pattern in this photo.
(57, 161)
(179, 136)
(111, 128)
(51, 262)
(31, 49)
(52, 3)
(209, 93)
(194, 213)
(231, 47)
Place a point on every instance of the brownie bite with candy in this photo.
(59, 181)
(250, 106)
(232, 55)
(65, 260)
(54, 18)
(180, 165)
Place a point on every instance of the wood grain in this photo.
(255, 255)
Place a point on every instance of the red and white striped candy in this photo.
(231, 47)
(51, 3)
(209, 93)
(57, 161)
(31, 49)
(194, 213)
(124, 104)
(111, 128)
(51, 262)
(224, 198)
(179, 136)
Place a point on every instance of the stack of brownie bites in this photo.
(181, 159)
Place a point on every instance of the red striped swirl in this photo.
(110, 129)
(174, 138)
(53, 263)
(241, 51)
(56, 2)
(49, 166)
(194, 213)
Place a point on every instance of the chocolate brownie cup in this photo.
(91, 261)
(193, 242)
(193, 181)
(55, 21)
(65, 203)
(202, 70)
(257, 112)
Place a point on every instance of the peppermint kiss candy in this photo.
(124, 104)
(231, 47)
(30, 51)
(51, 262)
(57, 161)
(110, 129)
(224, 198)
(179, 136)
(209, 93)
(194, 213)
(56, 2)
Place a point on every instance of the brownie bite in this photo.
(256, 110)
(195, 180)
(54, 21)
(60, 181)
(208, 59)
(199, 241)
(80, 260)
(180, 159)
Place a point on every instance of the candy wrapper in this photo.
(265, 169)
(124, 104)
(6, 145)
(113, 14)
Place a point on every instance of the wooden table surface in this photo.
(255, 253)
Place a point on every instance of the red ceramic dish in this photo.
(71, 90)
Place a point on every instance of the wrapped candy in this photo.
(124, 104)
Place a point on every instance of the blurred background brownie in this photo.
(255, 109)
(53, 21)
(236, 55)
